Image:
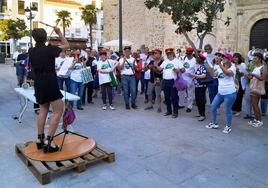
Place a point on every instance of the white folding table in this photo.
(28, 95)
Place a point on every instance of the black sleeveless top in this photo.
(42, 62)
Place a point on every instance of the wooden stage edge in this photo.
(44, 170)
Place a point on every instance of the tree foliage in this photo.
(89, 16)
(191, 15)
(64, 18)
(11, 28)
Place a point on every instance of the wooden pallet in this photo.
(43, 171)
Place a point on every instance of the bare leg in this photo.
(57, 107)
(255, 104)
(42, 117)
(159, 101)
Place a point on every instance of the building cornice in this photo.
(67, 2)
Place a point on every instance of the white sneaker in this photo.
(112, 107)
(251, 122)
(212, 126)
(237, 114)
(226, 129)
(257, 124)
(104, 107)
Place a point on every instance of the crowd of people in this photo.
(225, 77)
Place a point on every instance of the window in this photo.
(77, 32)
(35, 24)
(35, 6)
(21, 8)
(3, 6)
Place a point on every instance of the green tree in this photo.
(64, 17)
(89, 16)
(191, 15)
(13, 29)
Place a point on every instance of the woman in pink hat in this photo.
(226, 93)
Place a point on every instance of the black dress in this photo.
(42, 60)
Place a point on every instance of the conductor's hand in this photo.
(57, 30)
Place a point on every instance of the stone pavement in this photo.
(151, 150)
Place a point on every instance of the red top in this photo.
(138, 69)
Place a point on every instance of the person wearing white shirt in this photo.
(226, 93)
(147, 74)
(258, 76)
(187, 96)
(16, 53)
(144, 57)
(89, 87)
(179, 55)
(251, 53)
(127, 66)
(62, 79)
(76, 79)
(170, 67)
(242, 82)
(106, 67)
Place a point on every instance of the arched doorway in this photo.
(259, 34)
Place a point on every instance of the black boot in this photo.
(40, 143)
(48, 148)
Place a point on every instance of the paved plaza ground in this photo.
(151, 150)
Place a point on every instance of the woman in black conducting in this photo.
(47, 92)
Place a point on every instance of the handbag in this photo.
(257, 87)
(180, 84)
(68, 115)
(113, 78)
(86, 75)
(208, 79)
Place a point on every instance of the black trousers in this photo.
(88, 91)
(200, 96)
(106, 89)
(237, 106)
(171, 96)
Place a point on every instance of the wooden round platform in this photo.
(74, 146)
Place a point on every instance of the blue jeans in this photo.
(228, 101)
(67, 82)
(213, 89)
(263, 106)
(77, 86)
(129, 87)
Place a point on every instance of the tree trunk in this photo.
(63, 26)
(190, 42)
(14, 45)
(90, 36)
(201, 42)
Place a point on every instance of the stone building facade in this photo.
(154, 29)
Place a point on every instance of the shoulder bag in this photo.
(113, 78)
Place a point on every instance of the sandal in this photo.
(40, 143)
(48, 148)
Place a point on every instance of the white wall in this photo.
(76, 24)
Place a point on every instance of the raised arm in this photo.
(64, 43)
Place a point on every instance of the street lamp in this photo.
(30, 13)
(120, 28)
